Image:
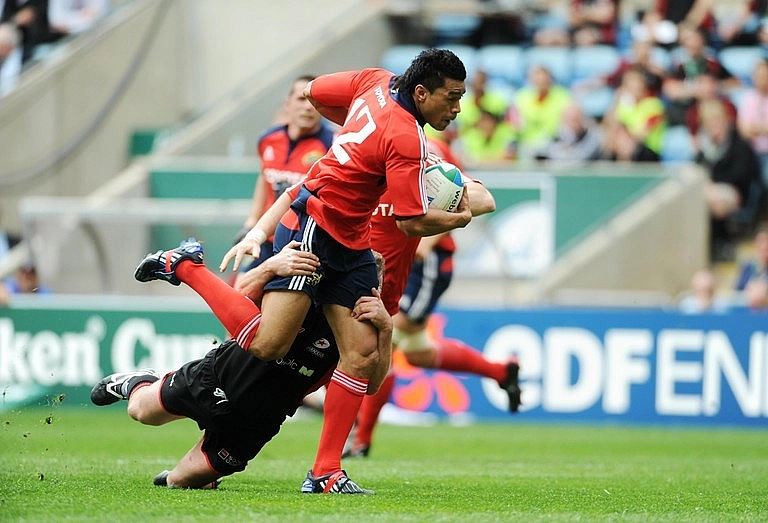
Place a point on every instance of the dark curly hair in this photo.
(430, 68)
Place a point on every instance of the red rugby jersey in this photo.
(398, 249)
(380, 145)
(285, 162)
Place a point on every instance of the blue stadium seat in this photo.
(451, 27)
(736, 95)
(398, 57)
(593, 61)
(677, 145)
(661, 57)
(596, 103)
(556, 59)
(503, 63)
(740, 61)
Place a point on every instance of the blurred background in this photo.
(625, 143)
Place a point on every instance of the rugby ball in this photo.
(444, 185)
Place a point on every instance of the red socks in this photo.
(342, 401)
(455, 355)
(238, 314)
(369, 413)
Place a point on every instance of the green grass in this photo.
(76, 464)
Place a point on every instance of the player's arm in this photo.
(475, 201)
(481, 200)
(371, 308)
(290, 261)
(437, 221)
(427, 244)
(331, 95)
(264, 228)
(258, 203)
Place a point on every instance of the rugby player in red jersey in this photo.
(381, 145)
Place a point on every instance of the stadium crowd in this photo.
(29, 28)
(583, 80)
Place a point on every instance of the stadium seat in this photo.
(596, 103)
(661, 57)
(593, 61)
(503, 63)
(556, 59)
(398, 57)
(677, 145)
(736, 95)
(740, 61)
(452, 27)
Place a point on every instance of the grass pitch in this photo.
(78, 464)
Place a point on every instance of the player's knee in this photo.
(363, 363)
(138, 411)
(268, 350)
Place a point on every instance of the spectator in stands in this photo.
(753, 274)
(734, 171)
(634, 129)
(589, 22)
(491, 139)
(10, 57)
(537, 111)
(753, 115)
(680, 87)
(71, 17)
(745, 25)
(480, 97)
(31, 18)
(702, 295)
(641, 56)
(663, 24)
(578, 140)
(549, 26)
(25, 281)
(707, 87)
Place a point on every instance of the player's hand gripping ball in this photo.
(444, 185)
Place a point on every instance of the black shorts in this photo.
(266, 251)
(427, 282)
(344, 275)
(231, 439)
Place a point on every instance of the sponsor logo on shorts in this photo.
(173, 378)
(322, 343)
(314, 279)
(315, 352)
(287, 362)
(220, 394)
(318, 347)
(229, 459)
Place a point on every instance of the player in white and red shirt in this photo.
(381, 145)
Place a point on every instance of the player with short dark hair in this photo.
(238, 400)
(381, 146)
